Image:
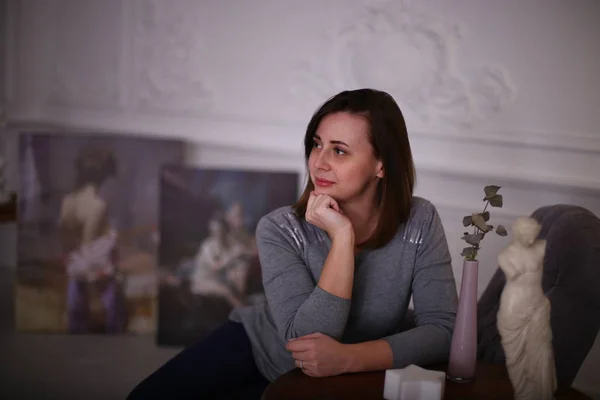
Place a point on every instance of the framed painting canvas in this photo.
(208, 258)
(87, 232)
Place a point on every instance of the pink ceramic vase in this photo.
(463, 350)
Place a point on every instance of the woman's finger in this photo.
(303, 365)
(326, 201)
(300, 355)
(311, 201)
(310, 207)
(333, 204)
(299, 345)
(318, 201)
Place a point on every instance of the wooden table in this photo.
(491, 382)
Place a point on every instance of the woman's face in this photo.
(216, 228)
(235, 216)
(342, 163)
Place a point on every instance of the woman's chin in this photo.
(328, 192)
(321, 190)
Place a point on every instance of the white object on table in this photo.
(414, 383)
(524, 315)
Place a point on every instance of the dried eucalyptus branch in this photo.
(479, 223)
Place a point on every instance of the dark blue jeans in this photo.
(220, 366)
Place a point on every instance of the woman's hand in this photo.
(324, 212)
(318, 355)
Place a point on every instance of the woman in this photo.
(209, 277)
(338, 268)
(90, 244)
(243, 249)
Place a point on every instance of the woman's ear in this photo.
(380, 171)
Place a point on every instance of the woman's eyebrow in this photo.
(332, 141)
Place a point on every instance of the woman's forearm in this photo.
(337, 276)
(375, 355)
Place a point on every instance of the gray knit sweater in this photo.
(416, 262)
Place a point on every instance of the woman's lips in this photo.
(323, 182)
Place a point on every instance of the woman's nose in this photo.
(322, 162)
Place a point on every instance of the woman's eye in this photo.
(339, 151)
(316, 144)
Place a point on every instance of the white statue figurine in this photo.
(524, 315)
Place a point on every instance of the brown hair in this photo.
(94, 165)
(389, 138)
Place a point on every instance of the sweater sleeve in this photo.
(435, 301)
(299, 307)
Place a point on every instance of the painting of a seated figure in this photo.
(208, 257)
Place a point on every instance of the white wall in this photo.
(493, 92)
